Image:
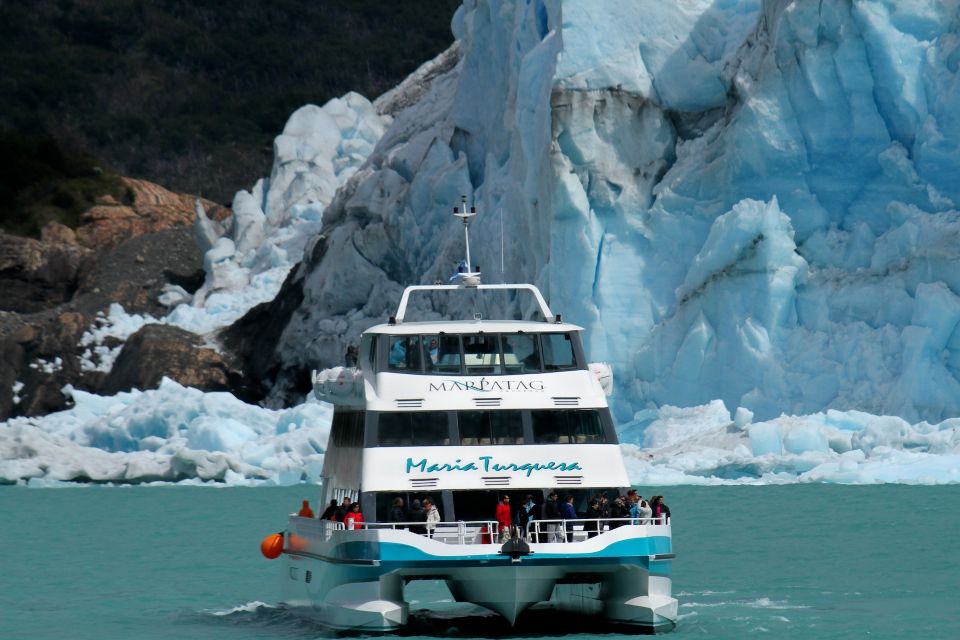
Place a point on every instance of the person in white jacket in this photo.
(433, 516)
(639, 510)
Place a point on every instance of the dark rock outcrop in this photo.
(54, 288)
(37, 275)
(157, 351)
(253, 338)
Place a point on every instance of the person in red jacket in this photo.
(305, 510)
(504, 518)
(354, 519)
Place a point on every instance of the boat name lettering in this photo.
(486, 464)
(487, 385)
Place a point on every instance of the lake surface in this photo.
(803, 561)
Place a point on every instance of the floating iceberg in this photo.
(177, 434)
(169, 434)
(705, 445)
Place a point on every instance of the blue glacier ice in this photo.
(745, 200)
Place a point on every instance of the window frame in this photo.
(381, 355)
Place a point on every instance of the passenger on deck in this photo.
(354, 519)
(342, 510)
(526, 514)
(305, 510)
(660, 509)
(350, 357)
(330, 511)
(568, 513)
(618, 510)
(397, 512)
(503, 518)
(593, 526)
(417, 514)
(640, 510)
(433, 516)
(551, 511)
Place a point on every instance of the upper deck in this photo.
(474, 326)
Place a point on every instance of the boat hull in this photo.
(355, 579)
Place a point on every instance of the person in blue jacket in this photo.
(568, 513)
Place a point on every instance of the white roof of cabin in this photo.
(473, 326)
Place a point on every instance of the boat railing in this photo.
(569, 530)
(460, 532)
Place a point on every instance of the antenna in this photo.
(465, 217)
(469, 276)
(501, 242)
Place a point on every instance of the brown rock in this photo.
(157, 351)
(149, 208)
(57, 233)
(38, 275)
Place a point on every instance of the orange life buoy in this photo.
(272, 546)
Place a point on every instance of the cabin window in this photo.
(347, 428)
(368, 348)
(441, 354)
(557, 352)
(575, 426)
(481, 354)
(490, 427)
(404, 354)
(478, 354)
(412, 428)
(521, 353)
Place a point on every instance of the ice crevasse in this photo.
(752, 201)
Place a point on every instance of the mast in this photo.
(465, 216)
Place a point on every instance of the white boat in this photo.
(462, 413)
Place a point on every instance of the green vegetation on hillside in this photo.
(40, 183)
(190, 93)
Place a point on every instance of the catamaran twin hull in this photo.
(355, 579)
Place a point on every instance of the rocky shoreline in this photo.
(56, 287)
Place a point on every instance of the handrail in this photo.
(433, 528)
(544, 307)
(567, 526)
(564, 529)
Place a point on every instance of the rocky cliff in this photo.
(57, 288)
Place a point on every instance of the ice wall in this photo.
(739, 199)
(247, 256)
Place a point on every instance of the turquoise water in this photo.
(811, 561)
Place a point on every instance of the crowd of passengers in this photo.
(559, 515)
(348, 513)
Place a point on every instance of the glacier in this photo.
(750, 205)
(741, 200)
(247, 258)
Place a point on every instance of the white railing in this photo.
(581, 528)
(322, 529)
(460, 532)
(487, 531)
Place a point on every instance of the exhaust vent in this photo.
(496, 481)
(568, 481)
(423, 483)
(410, 403)
(487, 402)
(566, 401)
